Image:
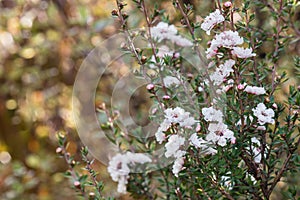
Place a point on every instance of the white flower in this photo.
(119, 170)
(202, 144)
(263, 114)
(211, 20)
(178, 165)
(160, 135)
(173, 145)
(242, 53)
(181, 41)
(226, 68)
(170, 80)
(178, 115)
(255, 90)
(211, 114)
(227, 39)
(256, 149)
(162, 31)
(226, 180)
(218, 133)
(222, 72)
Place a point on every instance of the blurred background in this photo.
(42, 45)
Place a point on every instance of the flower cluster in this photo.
(211, 20)
(227, 39)
(119, 167)
(263, 114)
(173, 118)
(218, 131)
(163, 31)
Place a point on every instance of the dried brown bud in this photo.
(143, 59)
(114, 12)
(267, 99)
(124, 15)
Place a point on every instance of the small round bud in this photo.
(176, 55)
(143, 59)
(166, 97)
(124, 15)
(183, 22)
(91, 195)
(59, 150)
(150, 87)
(73, 163)
(274, 105)
(227, 4)
(138, 50)
(114, 12)
(190, 76)
(77, 184)
(298, 88)
(267, 99)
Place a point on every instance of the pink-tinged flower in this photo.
(240, 52)
(255, 90)
(263, 114)
(229, 39)
(274, 105)
(241, 86)
(211, 20)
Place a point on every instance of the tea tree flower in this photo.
(219, 133)
(163, 31)
(211, 114)
(171, 81)
(118, 167)
(242, 53)
(255, 90)
(173, 145)
(211, 20)
(202, 144)
(263, 114)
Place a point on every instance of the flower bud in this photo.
(114, 12)
(91, 195)
(166, 97)
(59, 150)
(77, 184)
(227, 4)
(143, 59)
(150, 87)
